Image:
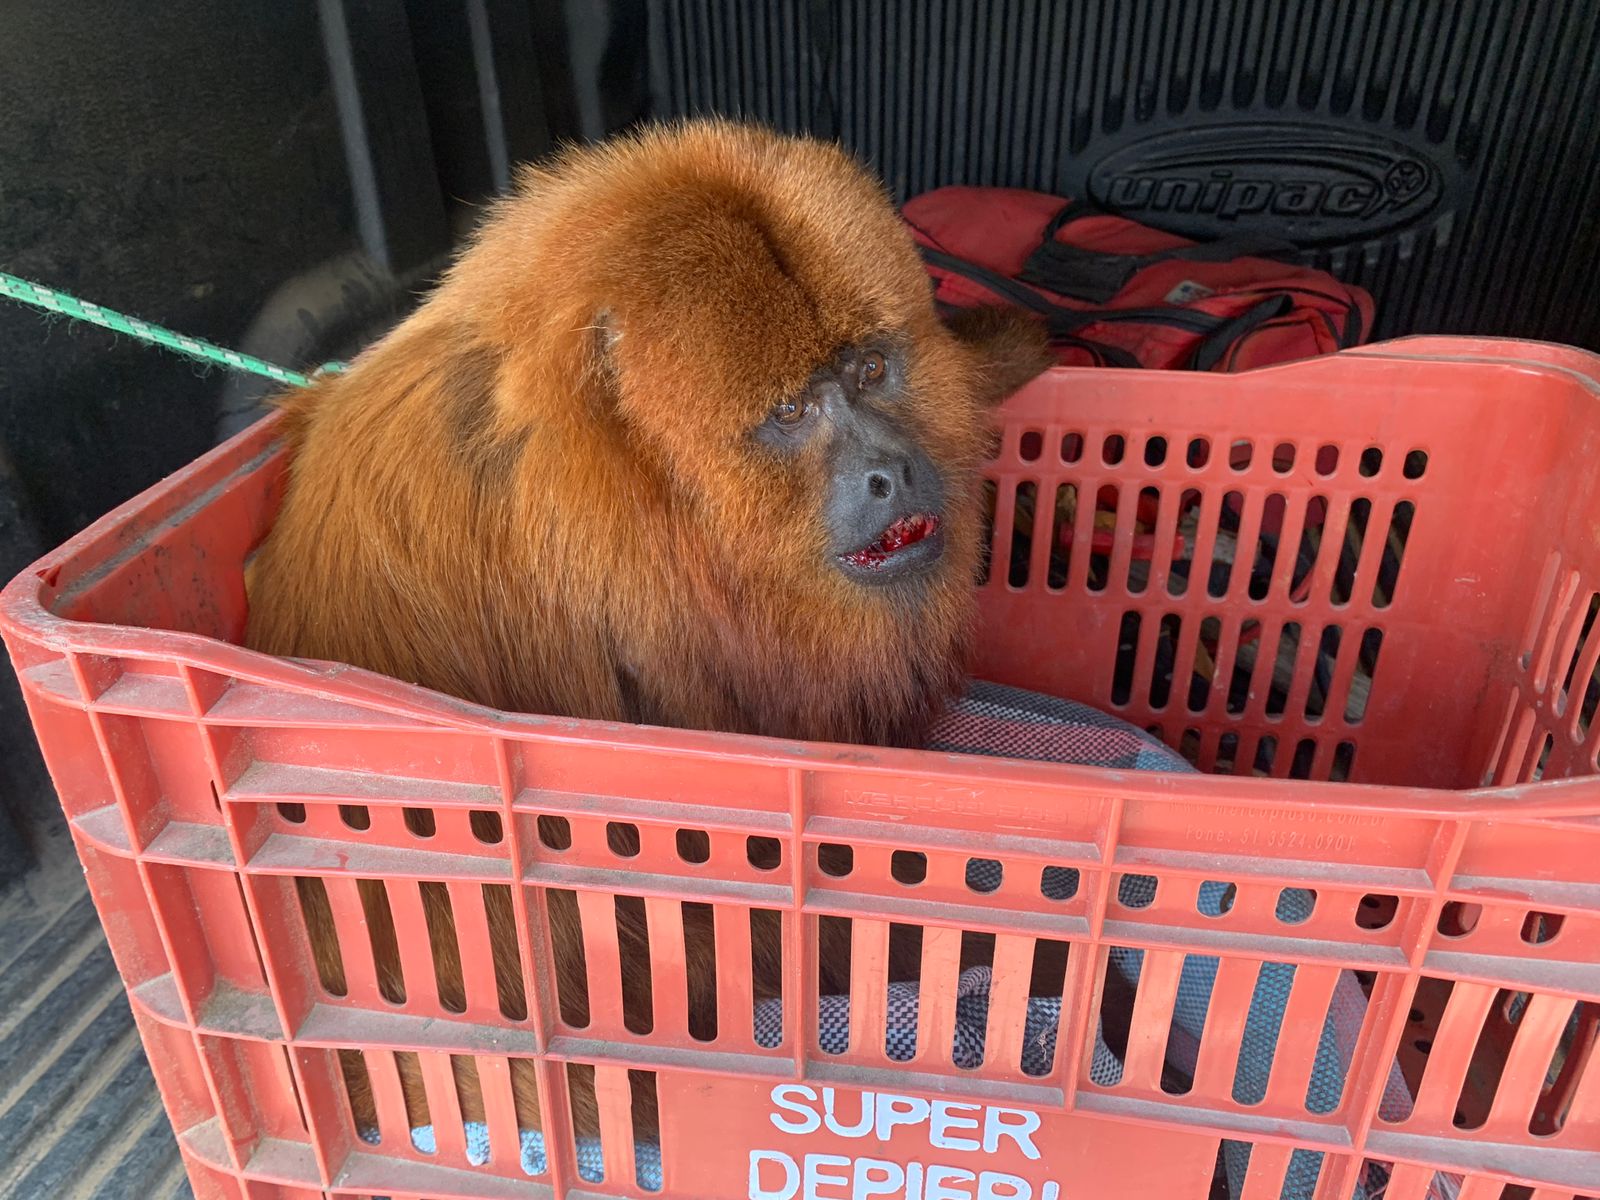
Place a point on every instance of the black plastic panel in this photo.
(1444, 155)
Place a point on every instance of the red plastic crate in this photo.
(202, 781)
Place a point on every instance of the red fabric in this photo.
(999, 228)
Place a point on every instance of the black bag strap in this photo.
(1111, 356)
(1064, 324)
(1060, 318)
(1211, 349)
(1096, 276)
(1001, 285)
(1070, 211)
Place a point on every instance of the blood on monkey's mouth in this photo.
(915, 529)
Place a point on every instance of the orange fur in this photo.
(541, 492)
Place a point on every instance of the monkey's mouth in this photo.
(911, 540)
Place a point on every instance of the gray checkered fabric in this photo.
(971, 1027)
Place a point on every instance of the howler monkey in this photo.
(679, 440)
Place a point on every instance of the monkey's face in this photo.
(881, 498)
(831, 427)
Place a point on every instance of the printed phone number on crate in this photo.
(1273, 839)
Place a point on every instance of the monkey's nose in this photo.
(884, 481)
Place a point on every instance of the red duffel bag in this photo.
(1117, 293)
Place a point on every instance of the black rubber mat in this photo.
(1444, 155)
(79, 1114)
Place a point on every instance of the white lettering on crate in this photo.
(900, 805)
(1330, 833)
(945, 1125)
(1278, 816)
(1274, 839)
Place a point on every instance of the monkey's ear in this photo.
(1010, 345)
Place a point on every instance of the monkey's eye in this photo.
(873, 368)
(789, 413)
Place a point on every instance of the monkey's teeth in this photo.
(907, 531)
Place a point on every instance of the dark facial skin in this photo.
(884, 501)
